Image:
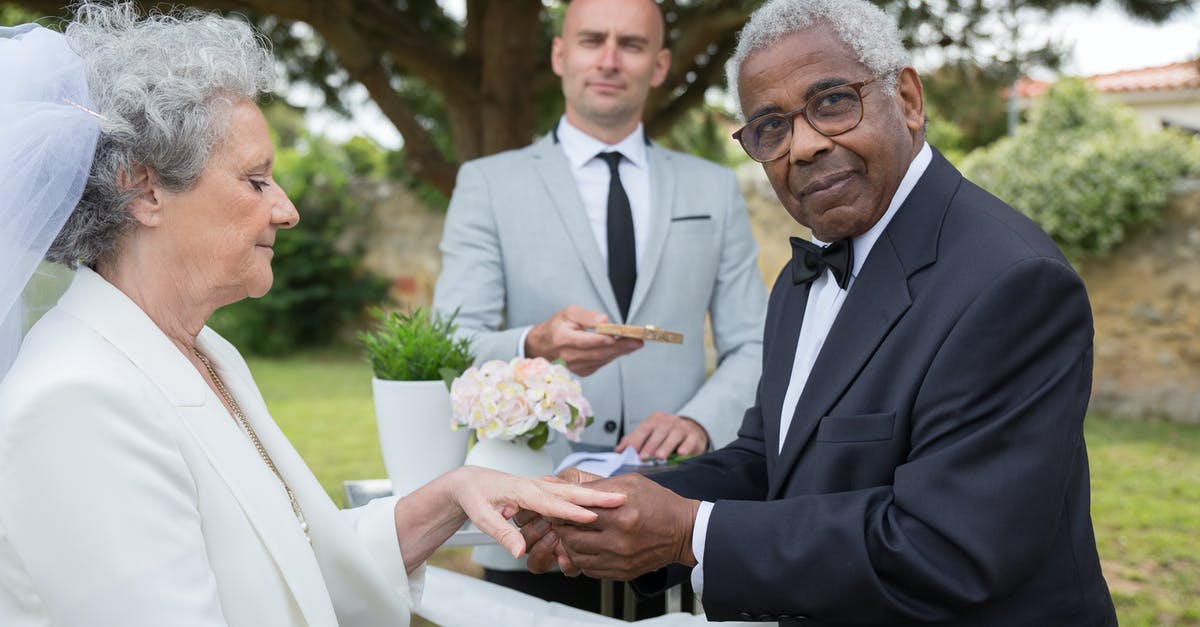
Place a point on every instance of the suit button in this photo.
(610, 426)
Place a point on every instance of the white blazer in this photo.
(130, 497)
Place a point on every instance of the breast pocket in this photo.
(864, 428)
(685, 226)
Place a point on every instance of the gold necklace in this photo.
(262, 452)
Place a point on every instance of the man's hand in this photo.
(564, 336)
(544, 550)
(651, 530)
(661, 434)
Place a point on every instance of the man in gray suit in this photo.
(594, 223)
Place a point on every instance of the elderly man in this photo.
(594, 223)
(915, 453)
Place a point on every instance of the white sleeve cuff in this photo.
(699, 534)
(521, 342)
(375, 523)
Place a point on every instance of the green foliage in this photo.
(12, 14)
(397, 166)
(540, 434)
(1083, 169)
(319, 285)
(946, 135)
(705, 133)
(420, 346)
(966, 97)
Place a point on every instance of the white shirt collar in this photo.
(581, 147)
(865, 242)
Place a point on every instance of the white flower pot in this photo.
(414, 432)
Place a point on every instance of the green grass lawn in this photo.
(1146, 510)
(1145, 480)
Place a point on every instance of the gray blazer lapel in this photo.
(555, 173)
(662, 201)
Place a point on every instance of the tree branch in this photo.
(696, 30)
(661, 119)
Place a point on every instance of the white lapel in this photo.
(341, 554)
(662, 201)
(551, 165)
(120, 321)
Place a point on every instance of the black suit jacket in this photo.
(935, 469)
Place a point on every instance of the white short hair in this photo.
(871, 33)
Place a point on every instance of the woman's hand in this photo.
(491, 497)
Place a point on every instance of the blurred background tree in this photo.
(463, 84)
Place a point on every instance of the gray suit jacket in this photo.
(517, 247)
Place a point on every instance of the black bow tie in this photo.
(810, 260)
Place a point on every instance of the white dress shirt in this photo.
(825, 300)
(592, 178)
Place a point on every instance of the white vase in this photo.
(514, 457)
(414, 432)
(511, 456)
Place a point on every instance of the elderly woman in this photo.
(142, 481)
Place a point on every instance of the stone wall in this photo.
(1144, 295)
(1145, 298)
(402, 244)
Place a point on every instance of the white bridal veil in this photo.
(47, 139)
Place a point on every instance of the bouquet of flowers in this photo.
(519, 398)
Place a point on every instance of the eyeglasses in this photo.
(830, 112)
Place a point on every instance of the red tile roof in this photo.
(1181, 75)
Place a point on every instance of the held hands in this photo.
(651, 530)
(565, 336)
(661, 434)
(489, 498)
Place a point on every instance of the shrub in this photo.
(319, 285)
(1083, 169)
(420, 346)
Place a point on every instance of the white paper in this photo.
(602, 464)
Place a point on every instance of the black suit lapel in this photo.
(876, 301)
(878, 298)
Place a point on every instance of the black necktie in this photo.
(622, 259)
(810, 260)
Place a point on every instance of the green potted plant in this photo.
(415, 356)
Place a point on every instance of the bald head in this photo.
(609, 55)
(585, 13)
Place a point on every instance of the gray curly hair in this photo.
(165, 85)
(871, 33)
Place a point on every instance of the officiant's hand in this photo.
(565, 336)
(651, 530)
(661, 434)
